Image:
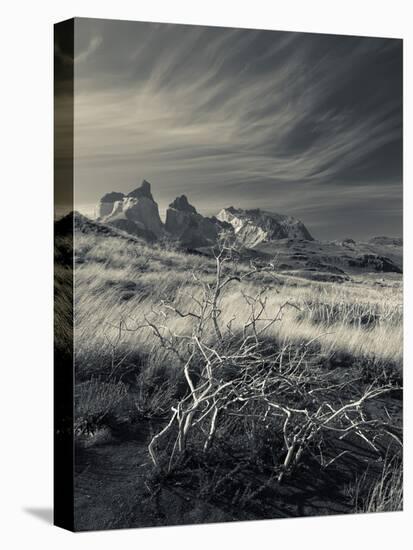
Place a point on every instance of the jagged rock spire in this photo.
(137, 207)
(143, 191)
(181, 203)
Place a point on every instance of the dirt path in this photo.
(111, 490)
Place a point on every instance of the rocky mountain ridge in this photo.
(259, 234)
(138, 213)
(189, 227)
(253, 227)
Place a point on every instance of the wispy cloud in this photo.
(82, 55)
(234, 116)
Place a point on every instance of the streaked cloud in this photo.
(292, 122)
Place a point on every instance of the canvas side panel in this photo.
(63, 275)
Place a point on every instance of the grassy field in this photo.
(361, 319)
(136, 317)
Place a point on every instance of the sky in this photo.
(303, 124)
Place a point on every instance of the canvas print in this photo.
(229, 309)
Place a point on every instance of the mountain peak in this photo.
(181, 203)
(112, 197)
(255, 226)
(136, 212)
(143, 191)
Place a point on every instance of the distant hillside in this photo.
(76, 222)
(333, 257)
(387, 241)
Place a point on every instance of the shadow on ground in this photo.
(44, 514)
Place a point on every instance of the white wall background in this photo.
(26, 270)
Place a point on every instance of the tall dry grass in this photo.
(123, 281)
(383, 493)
